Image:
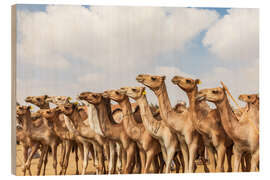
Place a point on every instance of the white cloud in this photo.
(122, 37)
(235, 36)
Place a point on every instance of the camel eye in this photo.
(134, 90)
(117, 93)
(248, 97)
(153, 78)
(95, 96)
(38, 99)
(188, 81)
(215, 92)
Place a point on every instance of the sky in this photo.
(65, 50)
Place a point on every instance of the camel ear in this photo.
(29, 107)
(143, 88)
(198, 81)
(46, 96)
(163, 77)
(74, 105)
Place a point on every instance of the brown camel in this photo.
(207, 123)
(90, 113)
(43, 103)
(180, 123)
(42, 134)
(149, 147)
(67, 143)
(112, 130)
(243, 134)
(158, 129)
(22, 136)
(84, 135)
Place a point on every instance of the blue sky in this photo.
(202, 43)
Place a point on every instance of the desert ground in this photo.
(71, 168)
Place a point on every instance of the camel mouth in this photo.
(200, 98)
(175, 81)
(27, 99)
(139, 79)
(105, 95)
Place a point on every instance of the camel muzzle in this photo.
(200, 97)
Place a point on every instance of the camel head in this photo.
(213, 94)
(22, 110)
(67, 109)
(180, 107)
(47, 113)
(133, 92)
(249, 98)
(93, 98)
(58, 99)
(37, 100)
(153, 82)
(36, 115)
(186, 84)
(115, 95)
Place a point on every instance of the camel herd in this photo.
(142, 139)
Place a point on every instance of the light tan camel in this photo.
(243, 134)
(84, 135)
(249, 110)
(112, 130)
(149, 147)
(252, 108)
(42, 134)
(207, 123)
(180, 123)
(158, 129)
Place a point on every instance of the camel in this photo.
(42, 134)
(84, 135)
(149, 147)
(180, 123)
(250, 99)
(252, 106)
(157, 129)
(207, 123)
(113, 131)
(243, 134)
(23, 137)
(94, 124)
(43, 103)
(67, 143)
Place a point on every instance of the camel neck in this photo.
(75, 117)
(27, 121)
(105, 123)
(149, 122)
(128, 120)
(55, 120)
(193, 106)
(164, 101)
(228, 118)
